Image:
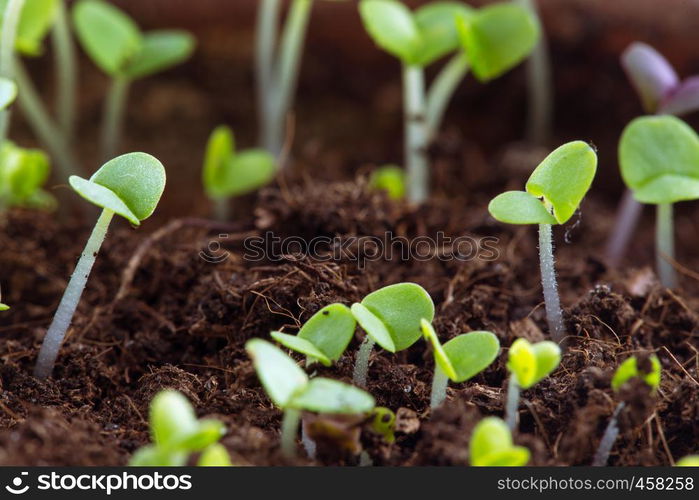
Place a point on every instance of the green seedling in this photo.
(458, 360)
(553, 193)
(390, 317)
(650, 373)
(528, 365)
(130, 186)
(688, 461)
(118, 47)
(659, 158)
(383, 423)
(491, 446)
(324, 337)
(228, 173)
(391, 179)
(176, 434)
(290, 389)
(23, 172)
(493, 40)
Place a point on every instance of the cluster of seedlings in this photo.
(658, 156)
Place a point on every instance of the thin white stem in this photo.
(415, 133)
(442, 90)
(308, 444)
(265, 43)
(608, 439)
(554, 315)
(66, 72)
(222, 209)
(665, 245)
(628, 214)
(44, 127)
(290, 429)
(71, 297)
(512, 403)
(361, 364)
(440, 381)
(8, 35)
(114, 107)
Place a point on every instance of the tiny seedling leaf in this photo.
(441, 357)
(324, 395)
(491, 446)
(471, 353)
(156, 456)
(280, 375)
(4, 307)
(688, 461)
(629, 369)
(650, 73)
(384, 423)
(531, 363)
(436, 23)
(215, 455)
(392, 26)
(205, 433)
(330, 330)
(22, 173)
(130, 185)
(373, 326)
(160, 50)
(172, 418)
(8, 92)
(519, 207)
(496, 38)
(659, 157)
(303, 346)
(683, 100)
(36, 19)
(390, 179)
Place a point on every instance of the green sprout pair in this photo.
(458, 360)
(130, 186)
(528, 365)
(629, 369)
(228, 173)
(659, 158)
(293, 391)
(492, 446)
(177, 433)
(118, 47)
(553, 193)
(490, 41)
(23, 172)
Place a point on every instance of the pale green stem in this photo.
(287, 72)
(440, 381)
(71, 297)
(665, 245)
(113, 118)
(265, 42)
(222, 209)
(290, 429)
(512, 404)
(442, 90)
(540, 86)
(44, 127)
(66, 72)
(628, 214)
(416, 139)
(361, 364)
(608, 439)
(554, 315)
(8, 35)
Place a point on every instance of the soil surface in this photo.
(158, 313)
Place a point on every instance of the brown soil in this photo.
(181, 322)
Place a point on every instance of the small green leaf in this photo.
(373, 326)
(401, 307)
(107, 34)
(440, 356)
(330, 330)
(171, 418)
(215, 455)
(659, 157)
(4, 307)
(497, 37)
(8, 92)
(688, 461)
(530, 364)
(22, 173)
(491, 446)
(436, 23)
(280, 375)
(219, 148)
(36, 19)
(160, 50)
(390, 179)
(629, 369)
(302, 346)
(471, 353)
(206, 433)
(384, 423)
(393, 28)
(154, 456)
(324, 395)
(519, 207)
(564, 177)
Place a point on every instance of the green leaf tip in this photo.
(650, 373)
(531, 363)
(8, 92)
(4, 307)
(391, 179)
(130, 185)
(492, 446)
(688, 461)
(659, 158)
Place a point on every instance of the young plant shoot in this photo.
(290, 389)
(23, 172)
(650, 373)
(391, 179)
(688, 461)
(228, 173)
(391, 317)
(324, 337)
(459, 359)
(131, 186)
(176, 434)
(553, 193)
(494, 39)
(118, 47)
(528, 365)
(659, 158)
(661, 93)
(491, 446)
